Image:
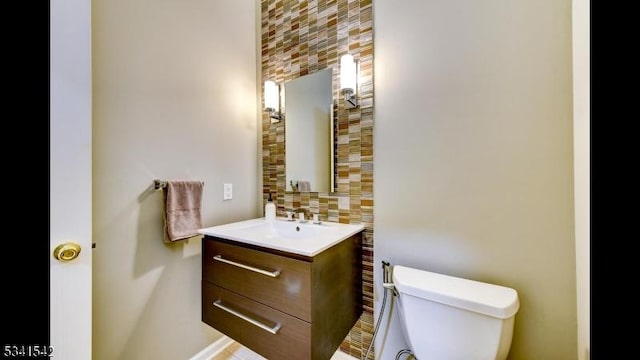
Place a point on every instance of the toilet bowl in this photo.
(450, 318)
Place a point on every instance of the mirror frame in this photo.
(332, 125)
(335, 84)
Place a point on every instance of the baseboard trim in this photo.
(219, 345)
(213, 349)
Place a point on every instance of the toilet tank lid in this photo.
(489, 299)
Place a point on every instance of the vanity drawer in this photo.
(233, 314)
(277, 281)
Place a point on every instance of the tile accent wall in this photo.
(300, 38)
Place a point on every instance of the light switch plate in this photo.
(228, 192)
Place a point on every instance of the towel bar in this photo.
(161, 184)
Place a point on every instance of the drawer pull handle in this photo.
(272, 274)
(274, 330)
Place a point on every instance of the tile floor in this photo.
(235, 351)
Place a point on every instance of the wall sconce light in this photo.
(272, 100)
(348, 81)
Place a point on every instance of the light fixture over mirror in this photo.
(272, 100)
(348, 81)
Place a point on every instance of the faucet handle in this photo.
(316, 219)
(289, 215)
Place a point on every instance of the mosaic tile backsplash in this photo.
(300, 38)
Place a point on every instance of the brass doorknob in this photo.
(67, 251)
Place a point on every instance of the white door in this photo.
(70, 177)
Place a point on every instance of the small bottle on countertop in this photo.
(270, 209)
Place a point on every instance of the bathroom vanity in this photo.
(284, 289)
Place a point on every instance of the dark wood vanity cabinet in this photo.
(282, 305)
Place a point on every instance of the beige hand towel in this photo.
(182, 203)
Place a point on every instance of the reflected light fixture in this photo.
(272, 100)
(348, 81)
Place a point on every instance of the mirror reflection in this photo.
(309, 132)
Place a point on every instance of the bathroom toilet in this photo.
(449, 318)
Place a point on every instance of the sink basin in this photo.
(287, 230)
(289, 236)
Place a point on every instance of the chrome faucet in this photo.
(306, 214)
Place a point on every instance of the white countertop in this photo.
(290, 236)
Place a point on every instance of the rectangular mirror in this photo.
(309, 159)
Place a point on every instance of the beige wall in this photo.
(581, 149)
(174, 97)
(474, 156)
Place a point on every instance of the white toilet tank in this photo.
(450, 318)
